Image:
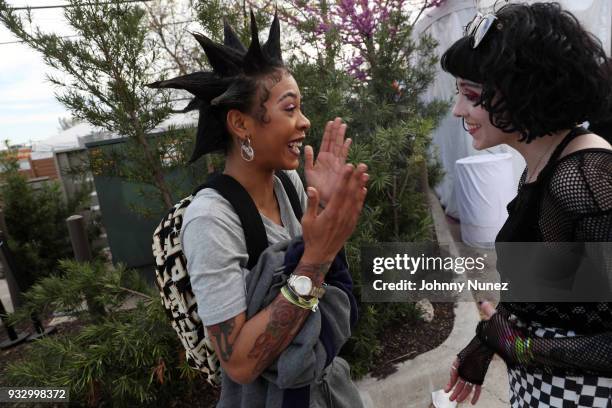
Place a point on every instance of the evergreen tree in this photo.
(36, 221)
(101, 73)
(367, 69)
(119, 358)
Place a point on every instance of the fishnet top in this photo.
(571, 201)
(577, 205)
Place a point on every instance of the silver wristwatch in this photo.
(302, 286)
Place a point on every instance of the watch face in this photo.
(302, 285)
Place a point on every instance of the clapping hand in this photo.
(326, 232)
(325, 174)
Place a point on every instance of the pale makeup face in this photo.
(476, 118)
(278, 143)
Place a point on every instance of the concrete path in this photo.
(5, 297)
(414, 381)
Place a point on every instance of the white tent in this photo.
(445, 24)
(81, 133)
(68, 138)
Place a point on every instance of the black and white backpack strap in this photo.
(252, 224)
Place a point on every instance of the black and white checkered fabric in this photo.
(532, 389)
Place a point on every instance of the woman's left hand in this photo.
(326, 172)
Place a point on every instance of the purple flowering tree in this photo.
(358, 24)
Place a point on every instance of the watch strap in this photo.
(317, 292)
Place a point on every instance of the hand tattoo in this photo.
(316, 272)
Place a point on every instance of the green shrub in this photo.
(118, 357)
(36, 222)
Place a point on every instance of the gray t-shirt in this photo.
(215, 248)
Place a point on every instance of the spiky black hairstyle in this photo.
(541, 71)
(234, 82)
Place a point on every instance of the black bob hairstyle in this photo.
(540, 71)
(236, 82)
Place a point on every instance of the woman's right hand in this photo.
(479, 358)
(461, 388)
(325, 233)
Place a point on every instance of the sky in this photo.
(29, 111)
(28, 108)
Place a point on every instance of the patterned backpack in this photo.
(172, 277)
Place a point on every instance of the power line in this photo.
(71, 5)
(72, 36)
(64, 6)
(21, 41)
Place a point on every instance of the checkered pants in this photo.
(531, 389)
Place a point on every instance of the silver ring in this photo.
(468, 383)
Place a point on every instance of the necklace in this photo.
(537, 166)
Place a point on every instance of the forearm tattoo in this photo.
(221, 333)
(285, 321)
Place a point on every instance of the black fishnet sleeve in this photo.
(580, 354)
(474, 361)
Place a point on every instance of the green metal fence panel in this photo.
(129, 233)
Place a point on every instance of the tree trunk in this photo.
(155, 162)
(423, 177)
(329, 50)
(158, 176)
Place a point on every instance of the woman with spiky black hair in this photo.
(250, 108)
(528, 76)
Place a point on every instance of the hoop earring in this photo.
(246, 151)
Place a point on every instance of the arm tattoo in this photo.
(285, 321)
(221, 332)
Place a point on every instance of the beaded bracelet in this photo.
(311, 304)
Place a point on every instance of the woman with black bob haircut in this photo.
(539, 70)
(277, 320)
(528, 76)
